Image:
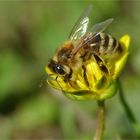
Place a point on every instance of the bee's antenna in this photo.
(42, 81)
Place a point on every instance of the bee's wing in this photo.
(100, 27)
(80, 28)
(96, 29)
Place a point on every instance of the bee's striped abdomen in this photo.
(106, 44)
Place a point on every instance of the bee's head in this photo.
(57, 68)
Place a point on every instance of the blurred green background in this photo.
(30, 32)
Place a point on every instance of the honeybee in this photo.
(82, 46)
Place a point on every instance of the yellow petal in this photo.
(54, 84)
(125, 41)
(119, 65)
(81, 85)
(90, 75)
(48, 71)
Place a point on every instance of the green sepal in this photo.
(110, 91)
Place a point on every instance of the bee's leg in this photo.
(85, 76)
(68, 79)
(101, 63)
(59, 85)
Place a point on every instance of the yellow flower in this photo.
(101, 85)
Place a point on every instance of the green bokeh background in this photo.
(30, 32)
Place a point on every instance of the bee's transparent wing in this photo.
(100, 27)
(80, 28)
(96, 29)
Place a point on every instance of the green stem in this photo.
(128, 111)
(100, 122)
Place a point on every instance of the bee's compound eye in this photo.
(59, 69)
